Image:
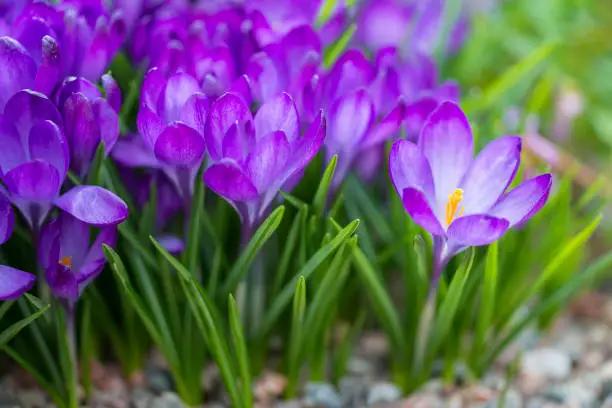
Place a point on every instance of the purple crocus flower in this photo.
(21, 69)
(88, 37)
(252, 158)
(89, 119)
(171, 122)
(34, 161)
(461, 200)
(67, 258)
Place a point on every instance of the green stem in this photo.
(73, 382)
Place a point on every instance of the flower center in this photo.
(454, 200)
(66, 261)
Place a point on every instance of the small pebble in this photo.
(383, 393)
(141, 398)
(167, 400)
(34, 398)
(159, 379)
(552, 363)
(320, 394)
(353, 391)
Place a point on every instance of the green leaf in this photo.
(6, 305)
(296, 337)
(209, 326)
(332, 53)
(380, 298)
(193, 240)
(325, 12)
(371, 210)
(289, 249)
(284, 297)
(486, 310)
(512, 77)
(255, 245)
(320, 199)
(7, 334)
(148, 220)
(242, 354)
(132, 238)
(94, 177)
(86, 350)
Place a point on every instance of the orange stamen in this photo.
(66, 261)
(454, 200)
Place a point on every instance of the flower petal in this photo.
(49, 70)
(490, 174)
(171, 243)
(7, 218)
(351, 72)
(63, 282)
(14, 283)
(307, 147)
(73, 238)
(108, 122)
(82, 131)
(112, 92)
(35, 180)
(26, 108)
(386, 128)
(268, 160)
(133, 152)
(12, 153)
(446, 141)
(152, 87)
(94, 260)
(278, 113)
(421, 212)
(224, 112)
(195, 111)
(149, 124)
(349, 120)
(228, 180)
(93, 205)
(179, 88)
(409, 168)
(448, 91)
(73, 85)
(477, 229)
(267, 76)
(47, 144)
(180, 145)
(522, 202)
(18, 69)
(416, 116)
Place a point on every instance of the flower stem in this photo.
(73, 383)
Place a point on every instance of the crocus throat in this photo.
(454, 200)
(66, 261)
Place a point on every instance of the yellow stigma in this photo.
(66, 261)
(454, 200)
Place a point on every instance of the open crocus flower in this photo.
(171, 122)
(252, 158)
(89, 119)
(24, 70)
(34, 162)
(68, 260)
(461, 200)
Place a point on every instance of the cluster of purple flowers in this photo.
(210, 65)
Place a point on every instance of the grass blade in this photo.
(319, 201)
(295, 337)
(242, 354)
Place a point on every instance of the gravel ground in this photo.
(569, 368)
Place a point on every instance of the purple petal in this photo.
(12, 153)
(93, 205)
(386, 128)
(48, 244)
(368, 162)
(73, 238)
(268, 160)
(236, 145)
(26, 108)
(267, 75)
(149, 125)
(171, 243)
(63, 282)
(242, 88)
(112, 91)
(108, 122)
(225, 112)
(133, 152)
(490, 174)
(477, 229)
(18, 69)
(7, 218)
(350, 118)
(446, 141)
(152, 87)
(228, 180)
(384, 23)
(279, 113)
(416, 116)
(49, 70)
(350, 73)
(448, 91)
(82, 131)
(195, 112)
(180, 145)
(307, 147)
(522, 202)
(300, 46)
(179, 88)
(421, 212)
(14, 283)
(409, 168)
(47, 144)
(94, 260)
(73, 85)
(35, 181)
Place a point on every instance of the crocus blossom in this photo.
(252, 158)
(34, 161)
(171, 122)
(66, 256)
(14, 282)
(89, 119)
(462, 201)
